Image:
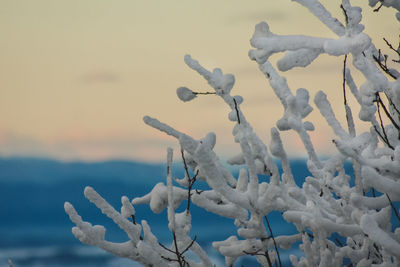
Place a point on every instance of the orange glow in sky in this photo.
(76, 77)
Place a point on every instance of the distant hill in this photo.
(50, 171)
(33, 192)
(46, 170)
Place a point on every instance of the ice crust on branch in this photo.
(337, 220)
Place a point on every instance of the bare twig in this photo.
(349, 116)
(178, 255)
(388, 113)
(204, 93)
(381, 136)
(344, 80)
(164, 247)
(184, 163)
(180, 258)
(190, 245)
(191, 180)
(345, 14)
(237, 111)
(268, 258)
(384, 137)
(395, 50)
(191, 183)
(393, 207)
(260, 254)
(273, 239)
(383, 66)
(392, 104)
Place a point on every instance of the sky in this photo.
(77, 77)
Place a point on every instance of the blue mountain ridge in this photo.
(33, 192)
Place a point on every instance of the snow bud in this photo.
(228, 80)
(233, 116)
(185, 94)
(127, 210)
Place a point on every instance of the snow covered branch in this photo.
(341, 217)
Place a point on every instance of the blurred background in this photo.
(77, 77)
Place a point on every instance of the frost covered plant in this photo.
(327, 203)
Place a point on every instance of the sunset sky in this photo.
(77, 77)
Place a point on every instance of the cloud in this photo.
(20, 145)
(99, 77)
(87, 147)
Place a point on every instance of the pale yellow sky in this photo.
(76, 77)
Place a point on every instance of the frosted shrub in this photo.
(327, 203)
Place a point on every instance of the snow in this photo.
(127, 210)
(326, 203)
(185, 94)
(372, 229)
